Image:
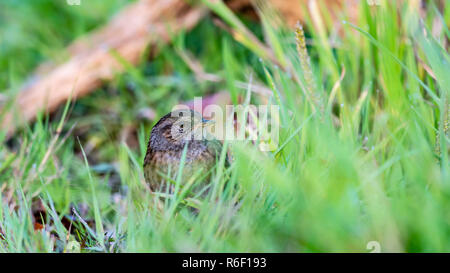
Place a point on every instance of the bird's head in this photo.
(178, 127)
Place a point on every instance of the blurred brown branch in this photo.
(130, 32)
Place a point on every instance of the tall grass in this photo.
(372, 166)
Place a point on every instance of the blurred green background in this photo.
(362, 155)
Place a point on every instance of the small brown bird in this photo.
(168, 138)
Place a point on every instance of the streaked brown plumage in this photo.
(165, 148)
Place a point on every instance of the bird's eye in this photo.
(181, 126)
(181, 114)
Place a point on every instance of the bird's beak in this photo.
(207, 122)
